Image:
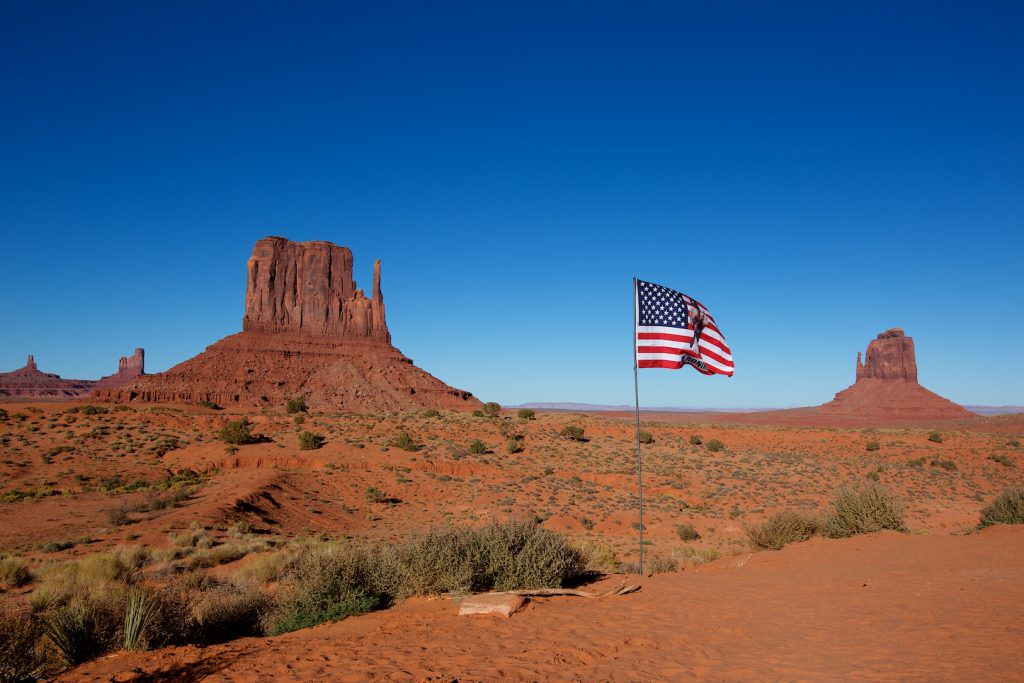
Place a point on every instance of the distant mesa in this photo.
(306, 330)
(29, 383)
(886, 386)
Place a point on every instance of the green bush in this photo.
(646, 437)
(14, 573)
(935, 436)
(94, 410)
(19, 657)
(477, 447)
(687, 532)
(572, 433)
(478, 413)
(296, 405)
(872, 446)
(787, 526)
(375, 495)
(526, 413)
(74, 631)
(1013, 443)
(431, 413)
(238, 432)
(514, 446)
(944, 464)
(405, 442)
(863, 509)
(3, 415)
(207, 403)
(1007, 508)
(299, 419)
(715, 445)
(492, 409)
(696, 440)
(308, 441)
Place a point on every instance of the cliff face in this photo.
(886, 386)
(889, 356)
(307, 330)
(307, 287)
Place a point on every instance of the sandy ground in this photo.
(937, 603)
(885, 607)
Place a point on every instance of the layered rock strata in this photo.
(307, 330)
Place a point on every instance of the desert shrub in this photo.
(431, 413)
(945, 464)
(492, 409)
(226, 613)
(646, 437)
(660, 564)
(326, 584)
(935, 436)
(478, 413)
(375, 495)
(404, 441)
(76, 632)
(3, 415)
(514, 446)
(572, 433)
(308, 441)
(696, 440)
(687, 532)
(1013, 443)
(331, 581)
(872, 446)
(14, 572)
(1007, 508)
(694, 555)
(138, 615)
(238, 432)
(863, 509)
(264, 568)
(598, 557)
(207, 403)
(787, 526)
(715, 445)
(94, 410)
(296, 405)
(1001, 459)
(477, 447)
(118, 516)
(19, 656)
(526, 414)
(299, 419)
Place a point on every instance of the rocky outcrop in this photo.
(307, 287)
(29, 383)
(307, 330)
(886, 387)
(889, 356)
(128, 368)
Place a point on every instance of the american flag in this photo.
(673, 330)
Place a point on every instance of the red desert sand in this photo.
(886, 607)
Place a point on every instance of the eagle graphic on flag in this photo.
(674, 330)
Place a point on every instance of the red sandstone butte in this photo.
(886, 386)
(307, 330)
(29, 383)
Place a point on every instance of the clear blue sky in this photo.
(814, 173)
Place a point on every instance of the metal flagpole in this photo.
(636, 397)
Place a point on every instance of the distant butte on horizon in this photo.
(30, 383)
(307, 330)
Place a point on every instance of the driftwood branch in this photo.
(621, 589)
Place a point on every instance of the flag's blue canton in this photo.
(661, 306)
